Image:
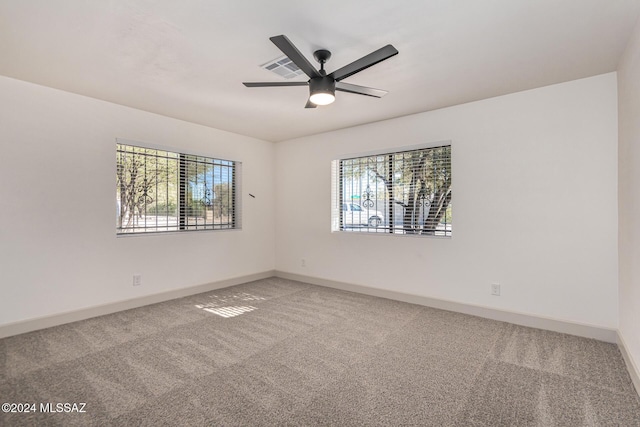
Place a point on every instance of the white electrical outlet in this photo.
(495, 289)
(303, 262)
(137, 280)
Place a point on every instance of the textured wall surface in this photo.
(534, 205)
(59, 249)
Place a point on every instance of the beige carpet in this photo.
(278, 352)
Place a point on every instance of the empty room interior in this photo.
(335, 213)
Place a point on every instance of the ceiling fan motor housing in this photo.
(325, 84)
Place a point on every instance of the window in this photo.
(159, 190)
(406, 192)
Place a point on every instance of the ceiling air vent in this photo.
(283, 67)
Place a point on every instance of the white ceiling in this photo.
(187, 59)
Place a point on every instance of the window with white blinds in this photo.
(160, 191)
(405, 192)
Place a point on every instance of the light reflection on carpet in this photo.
(228, 305)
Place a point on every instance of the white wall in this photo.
(58, 245)
(534, 205)
(629, 195)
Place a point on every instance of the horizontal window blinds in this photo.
(159, 191)
(407, 192)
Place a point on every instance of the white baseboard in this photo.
(634, 372)
(579, 329)
(30, 325)
(550, 324)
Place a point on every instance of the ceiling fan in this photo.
(322, 86)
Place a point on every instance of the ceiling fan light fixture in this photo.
(322, 98)
(323, 90)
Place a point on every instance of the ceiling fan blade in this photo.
(310, 105)
(270, 84)
(285, 45)
(360, 90)
(365, 62)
